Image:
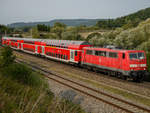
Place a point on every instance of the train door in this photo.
(21, 46)
(123, 60)
(10, 43)
(40, 49)
(72, 53)
(36, 49)
(43, 50)
(18, 45)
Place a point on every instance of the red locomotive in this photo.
(117, 62)
(120, 63)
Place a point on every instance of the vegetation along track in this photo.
(98, 95)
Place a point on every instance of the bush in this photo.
(23, 74)
(71, 35)
(6, 56)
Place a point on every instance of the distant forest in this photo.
(126, 22)
(68, 22)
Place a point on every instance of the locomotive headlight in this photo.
(133, 65)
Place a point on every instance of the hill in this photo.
(68, 22)
(131, 20)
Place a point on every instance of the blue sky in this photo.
(45, 10)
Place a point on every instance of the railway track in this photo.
(139, 89)
(96, 94)
(144, 84)
(100, 77)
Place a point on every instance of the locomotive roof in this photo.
(113, 50)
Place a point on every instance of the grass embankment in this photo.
(117, 91)
(25, 91)
(29, 94)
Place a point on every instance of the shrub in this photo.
(23, 74)
(6, 56)
(71, 35)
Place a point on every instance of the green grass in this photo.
(123, 93)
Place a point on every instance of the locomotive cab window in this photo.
(139, 55)
(113, 54)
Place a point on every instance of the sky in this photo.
(45, 10)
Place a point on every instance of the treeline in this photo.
(126, 22)
(58, 31)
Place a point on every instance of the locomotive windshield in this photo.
(138, 55)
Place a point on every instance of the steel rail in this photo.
(94, 90)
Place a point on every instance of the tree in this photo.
(59, 28)
(42, 27)
(58, 24)
(90, 36)
(35, 33)
(71, 35)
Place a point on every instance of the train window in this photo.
(123, 55)
(100, 53)
(64, 56)
(113, 54)
(89, 52)
(76, 53)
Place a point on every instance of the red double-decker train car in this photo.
(116, 62)
(63, 50)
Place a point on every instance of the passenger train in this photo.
(116, 62)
